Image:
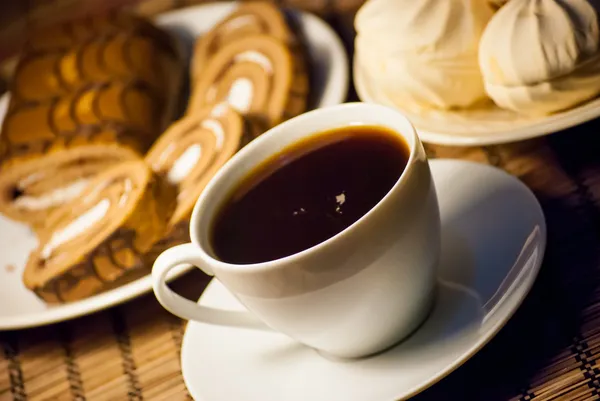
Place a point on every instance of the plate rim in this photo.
(481, 342)
(339, 82)
(548, 125)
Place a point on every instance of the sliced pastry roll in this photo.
(258, 76)
(256, 17)
(192, 150)
(50, 150)
(46, 75)
(101, 236)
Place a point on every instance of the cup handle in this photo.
(184, 308)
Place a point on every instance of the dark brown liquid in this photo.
(308, 193)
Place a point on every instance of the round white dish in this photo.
(493, 242)
(19, 307)
(489, 125)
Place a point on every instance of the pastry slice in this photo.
(250, 18)
(99, 237)
(258, 76)
(50, 150)
(192, 150)
(31, 190)
(187, 156)
(37, 77)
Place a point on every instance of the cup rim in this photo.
(243, 154)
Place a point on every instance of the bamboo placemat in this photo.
(549, 350)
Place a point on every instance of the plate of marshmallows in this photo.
(481, 72)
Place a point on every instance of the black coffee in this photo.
(308, 193)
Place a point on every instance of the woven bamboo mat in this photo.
(550, 350)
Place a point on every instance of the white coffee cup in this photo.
(355, 294)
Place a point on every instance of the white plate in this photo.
(486, 126)
(493, 242)
(19, 308)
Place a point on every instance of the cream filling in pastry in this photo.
(51, 198)
(257, 58)
(241, 91)
(217, 129)
(240, 95)
(163, 157)
(77, 227)
(184, 164)
(239, 22)
(31, 179)
(125, 195)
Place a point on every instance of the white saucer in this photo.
(493, 242)
(20, 308)
(488, 125)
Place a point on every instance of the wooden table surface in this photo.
(548, 351)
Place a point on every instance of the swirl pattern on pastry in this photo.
(192, 150)
(258, 76)
(49, 150)
(101, 236)
(257, 17)
(85, 94)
